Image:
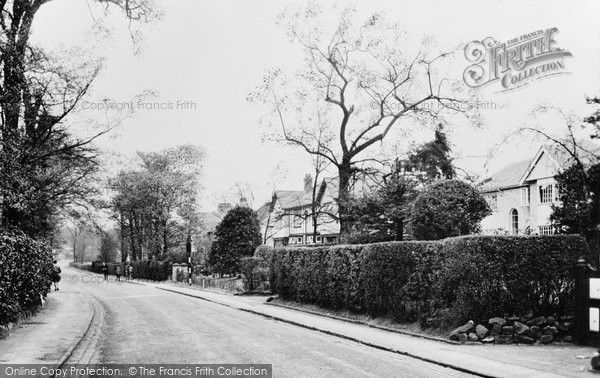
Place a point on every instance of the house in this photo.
(288, 218)
(521, 195)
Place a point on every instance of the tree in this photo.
(382, 214)
(357, 87)
(431, 161)
(108, 246)
(156, 205)
(447, 208)
(43, 165)
(579, 211)
(236, 236)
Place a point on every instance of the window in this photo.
(546, 230)
(299, 240)
(556, 193)
(309, 239)
(297, 221)
(525, 196)
(318, 239)
(492, 200)
(546, 193)
(514, 221)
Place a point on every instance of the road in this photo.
(141, 324)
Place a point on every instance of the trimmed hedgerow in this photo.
(484, 276)
(25, 273)
(144, 269)
(438, 282)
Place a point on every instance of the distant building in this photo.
(287, 219)
(521, 195)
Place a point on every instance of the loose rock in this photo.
(546, 339)
(488, 340)
(507, 330)
(463, 329)
(481, 331)
(549, 330)
(504, 339)
(540, 320)
(499, 321)
(522, 339)
(520, 328)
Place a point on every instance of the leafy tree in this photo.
(236, 236)
(447, 208)
(43, 166)
(382, 215)
(431, 161)
(156, 205)
(358, 87)
(579, 211)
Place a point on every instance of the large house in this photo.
(522, 194)
(288, 218)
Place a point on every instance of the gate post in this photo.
(581, 300)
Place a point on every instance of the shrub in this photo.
(438, 282)
(25, 273)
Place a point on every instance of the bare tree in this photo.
(359, 83)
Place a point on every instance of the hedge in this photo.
(144, 269)
(440, 283)
(25, 273)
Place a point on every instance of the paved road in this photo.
(144, 325)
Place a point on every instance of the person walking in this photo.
(105, 271)
(118, 272)
(129, 272)
(55, 275)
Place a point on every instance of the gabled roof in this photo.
(290, 199)
(263, 212)
(507, 177)
(516, 174)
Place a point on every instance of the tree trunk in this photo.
(345, 172)
(400, 230)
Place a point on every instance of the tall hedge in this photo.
(145, 269)
(438, 282)
(25, 273)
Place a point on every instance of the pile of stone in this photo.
(526, 330)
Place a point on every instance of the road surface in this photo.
(141, 324)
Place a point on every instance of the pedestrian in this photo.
(105, 271)
(130, 271)
(55, 275)
(118, 272)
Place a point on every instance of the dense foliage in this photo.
(579, 211)
(440, 283)
(25, 273)
(383, 214)
(144, 269)
(447, 208)
(156, 203)
(236, 236)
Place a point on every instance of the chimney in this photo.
(224, 207)
(308, 183)
(243, 201)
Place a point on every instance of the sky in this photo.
(197, 63)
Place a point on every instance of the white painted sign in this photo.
(595, 288)
(594, 319)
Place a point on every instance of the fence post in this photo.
(581, 300)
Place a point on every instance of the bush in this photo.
(438, 282)
(25, 273)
